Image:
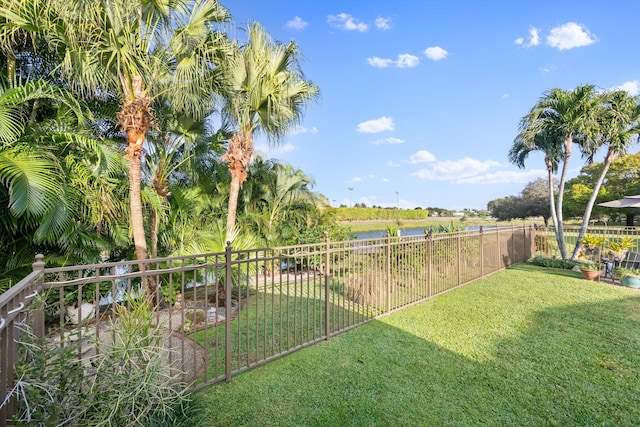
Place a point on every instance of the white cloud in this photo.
(570, 35)
(345, 21)
(404, 60)
(435, 53)
(380, 62)
(392, 164)
(422, 156)
(548, 68)
(383, 24)
(631, 87)
(506, 95)
(532, 40)
(390, 140)
(505, 177)
(300, 129)
(296, 24)
(377, 125)
(455, 170)
(534, 37)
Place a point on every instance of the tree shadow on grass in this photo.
(573, 365)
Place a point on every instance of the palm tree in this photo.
(280, 200)
(551, 145)
(619, 123)
(263, 90)
(141, 52)
(571, 115)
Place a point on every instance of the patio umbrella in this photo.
(626, 202)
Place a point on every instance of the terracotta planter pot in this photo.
(591, 274)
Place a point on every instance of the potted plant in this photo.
(618, 248)
(590, 270)
(591, 245)
(629, 277)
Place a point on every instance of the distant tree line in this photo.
(533, 201)
(368, 214)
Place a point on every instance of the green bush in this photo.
(552, 262)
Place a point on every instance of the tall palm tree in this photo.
(263, 90)
(551, 145)
(572, 115)
(619, 123)
(140, 51)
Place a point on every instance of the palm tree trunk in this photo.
(134, 154)
(552, 199)
(562, 245)
(153, 219)
(234, 192)
(238, 156)
(608, 160)
(137, 224)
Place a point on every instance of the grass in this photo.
(527, 346)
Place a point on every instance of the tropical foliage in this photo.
(595, 121)
(108, 148)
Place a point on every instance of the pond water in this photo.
(408, 232)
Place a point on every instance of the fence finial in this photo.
(39, 264)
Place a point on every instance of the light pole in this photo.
(397, 200)
(350, 190)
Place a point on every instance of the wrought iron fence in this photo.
(224, 313)
(546, 245)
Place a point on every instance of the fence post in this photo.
(512, 258)
(429, 262)
(227, 314)
(524, 242)
(459, 256)
(38, 316)
(481, 252)
(532, 240)
(388, 272)
(498, 251)
(327, 272)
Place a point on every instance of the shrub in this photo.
(127, 382)
(552, 262)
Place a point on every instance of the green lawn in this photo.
(527, 347)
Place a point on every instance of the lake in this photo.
(408, 232)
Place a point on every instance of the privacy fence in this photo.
(223, 313)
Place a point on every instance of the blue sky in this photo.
(420, 100)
